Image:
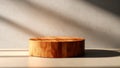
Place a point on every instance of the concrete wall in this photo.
(22, 19)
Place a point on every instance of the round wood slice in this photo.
(56, 47)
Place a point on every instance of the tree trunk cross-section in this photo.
(57, 47)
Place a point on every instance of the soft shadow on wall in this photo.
(112, 6)
(104, 37)
(73, 24)
(19, 27)
(13, 36)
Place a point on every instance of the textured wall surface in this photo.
(22, 19)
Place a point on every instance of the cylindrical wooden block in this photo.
(56, 47)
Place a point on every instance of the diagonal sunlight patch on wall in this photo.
(13, 35)
(79, 12)
(21, 28)
(67, 18)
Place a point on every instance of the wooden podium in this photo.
(57, 47)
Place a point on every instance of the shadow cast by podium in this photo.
(96, 53)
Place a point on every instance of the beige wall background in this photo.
(22, 19)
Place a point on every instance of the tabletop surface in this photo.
(94, 58)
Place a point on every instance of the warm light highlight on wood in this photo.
(56, 47)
